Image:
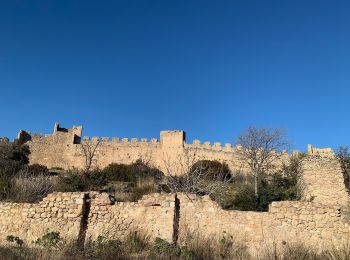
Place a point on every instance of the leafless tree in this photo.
(89, 149)
(184, 175)
(261, 147)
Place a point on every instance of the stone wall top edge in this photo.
(117, 140)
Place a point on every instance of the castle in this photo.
(320, 219)
(64, 149)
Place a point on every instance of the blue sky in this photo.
(212, 68)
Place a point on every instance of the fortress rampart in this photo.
(63, 149)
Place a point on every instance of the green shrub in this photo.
(97, 179)
(48, 240)
(212, 170)
(13, 157)
(14, 239)
(72, 181)
(131, 173)
(163, 247)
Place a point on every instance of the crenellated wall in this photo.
(64, 149)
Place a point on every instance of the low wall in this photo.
(85, 216)
(153, 215)
(312, 224)
(57, 212)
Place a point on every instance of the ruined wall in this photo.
(313, 224)
(57, 212)
(322, 181)
(85, 216)
(153, 215)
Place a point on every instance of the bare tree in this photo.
(89, 151)
(186, 174)
(261, 147)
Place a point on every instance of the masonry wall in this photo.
(64, 149)
(57, 212)
(322, 181)
(153, 216)
(67, 212)
(313, 224)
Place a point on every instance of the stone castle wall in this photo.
(64, 149)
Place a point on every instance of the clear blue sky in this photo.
(212, 68)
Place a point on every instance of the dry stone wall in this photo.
(153, 216)
(57, 212)
(322, 181)
(85, 216)
(174, 217)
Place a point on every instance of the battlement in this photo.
(64, 148)
(117, 140)
(322, 152)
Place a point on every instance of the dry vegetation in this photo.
(138, 246)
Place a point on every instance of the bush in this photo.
(14, 239)
(163, 247)
(13, 158)
(282, 185)
(48, 240)
(36, 169)
(212, 170)
(131, 173)
(143, 188)
(72, 181)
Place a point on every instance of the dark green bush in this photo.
(36, 169)
(162, 247)
(48, 240)
(14, 239)
(131, 173)
(73, 181)
(13, 158)
(97, 180)
(212, 170)
(282, 185)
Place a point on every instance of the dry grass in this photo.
(138, 246)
